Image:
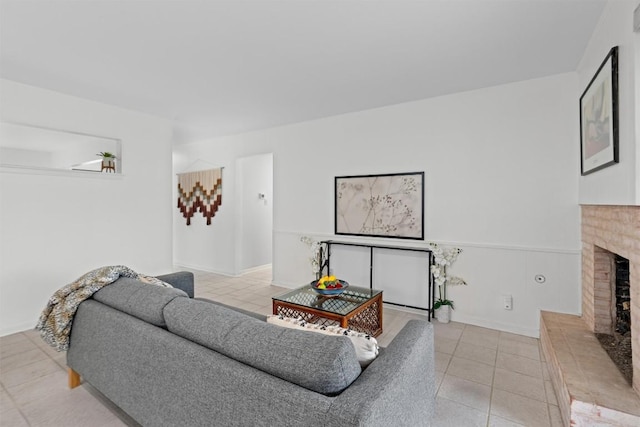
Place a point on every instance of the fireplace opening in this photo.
(618, 343)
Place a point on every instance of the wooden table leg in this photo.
(74, 378)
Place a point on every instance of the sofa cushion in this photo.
(180, 279)
(142, 300)
(239, 310)
(366, 346)
(322, 363)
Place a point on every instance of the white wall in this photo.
(17, 156)
(617, 184)
(501, 167)
(55, 227)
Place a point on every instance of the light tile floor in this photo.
(485, 377)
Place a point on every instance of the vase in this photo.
(443, 314)
(108, 164)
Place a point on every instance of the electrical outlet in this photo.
(507, 302)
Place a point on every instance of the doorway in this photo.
(255, 195)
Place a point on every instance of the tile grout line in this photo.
(16, 405)
(458, 341)
(493, 382)
(546, 394)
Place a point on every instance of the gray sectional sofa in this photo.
(170, 360)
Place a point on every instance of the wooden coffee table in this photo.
(359, 309)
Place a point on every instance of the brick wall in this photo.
(614, 229)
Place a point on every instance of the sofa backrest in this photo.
(142, 300)
(322, 363)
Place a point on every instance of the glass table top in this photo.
(342, 304)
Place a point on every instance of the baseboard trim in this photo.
(181, 265)
(254, 269)
(500, 326)
(17, 328)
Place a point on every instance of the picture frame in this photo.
(385, 205)
(599, 117)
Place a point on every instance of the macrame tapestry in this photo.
(200, 192)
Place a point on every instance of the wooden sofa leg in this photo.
(74, 378)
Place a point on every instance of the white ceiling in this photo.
(225, 67)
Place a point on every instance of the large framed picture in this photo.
(389, 205)
(599, 117)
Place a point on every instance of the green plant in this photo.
(106, 155)
(442, 300)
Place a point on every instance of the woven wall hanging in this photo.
(200, 192)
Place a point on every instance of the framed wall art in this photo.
(389, 205)
(599, 117)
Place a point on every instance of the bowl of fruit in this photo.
(329, 285)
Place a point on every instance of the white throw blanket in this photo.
(55, 321)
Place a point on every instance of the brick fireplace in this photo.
(589, 387)
(608, 230)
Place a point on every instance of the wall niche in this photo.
(36, 148)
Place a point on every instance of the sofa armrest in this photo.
(398, 388)
(182, 280)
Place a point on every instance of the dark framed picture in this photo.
(599, 117)
(388, 205)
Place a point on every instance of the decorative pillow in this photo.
(366, 346)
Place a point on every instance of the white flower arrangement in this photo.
(315, 248)
(444, 258)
